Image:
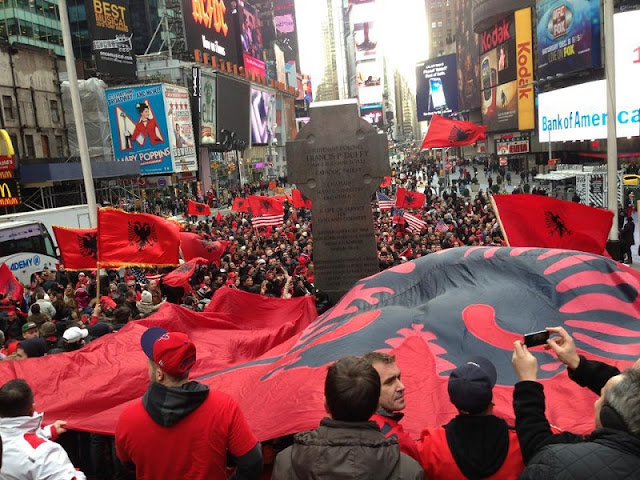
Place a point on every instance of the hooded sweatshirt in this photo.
(471, 447)
(182, 432)
(29, 453)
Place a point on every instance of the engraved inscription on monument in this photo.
(338, 160)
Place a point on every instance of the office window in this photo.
(7, 107)
(59, 146)
(30, 146)
(55, 113)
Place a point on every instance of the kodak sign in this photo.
(524, 58)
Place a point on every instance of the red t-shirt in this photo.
(194, 448)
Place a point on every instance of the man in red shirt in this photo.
(392, 402)
(476, 443)
(181, 429)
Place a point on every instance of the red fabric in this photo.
(240, 205)
(198, 209)
(78, 247)
(219, 218)
(406, 199)
(9, 285)
(390, 427)
(34, 440)
(299, 200)
(136, 239)
(194, 448)
(386, 182)
(265, 205)
(195, 246)
(438, 462)
(539, 221)
(181, 276)
(445, 132)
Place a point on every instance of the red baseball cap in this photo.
(174, 352)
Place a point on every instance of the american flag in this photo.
(268, 220)
(414, 223)
(384, 202)
(442, 227)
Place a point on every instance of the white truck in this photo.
(27, 242)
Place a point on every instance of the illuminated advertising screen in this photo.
(502, 47)
(436, 87)
(372, 114)
(369, 81)
(364, 35)
(232, 102)
(208, 129)
(284, 17)
(251, 41)
(468, 66)
(263, 116)
(568, 33)
(564, 115)
(210, 27)
(111, 37)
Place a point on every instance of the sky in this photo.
(403, 35)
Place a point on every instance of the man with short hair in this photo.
(392, 401)
(476, 443)
(180, 428)
(29, 330)
(46, 306)
(611, 451)
(28, 450)
(130, 302)
(347, 445)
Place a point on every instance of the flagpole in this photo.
(495, 209)
(97, 283)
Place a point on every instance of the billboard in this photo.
(568, 33)
(263, 111)
(232, 102)
(210, 27)
(178, 109)
(364, 35)
(369, 81)
(373, 114)
(251, 41)
(468, 66)
(564, 115)
(208, 131)
(111, 35)
(284, 18)
(9, 192)
(500, 75)
(436, 87)
(139, 127)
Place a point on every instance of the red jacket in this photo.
(390, 425)
(438, 461)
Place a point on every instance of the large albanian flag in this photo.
(431, 313)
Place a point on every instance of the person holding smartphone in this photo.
(610, 451)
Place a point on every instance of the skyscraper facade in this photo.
(32, 22)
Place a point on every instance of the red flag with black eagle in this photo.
(407, 199)
(240, 205)
(181, 276)
(9, 284)
(271, 355)
(539, 221)
(386, 182)
(299, 200)
(78, 247)
(136, 239)
(196, 246)
(196, 209)
(265, 205)
(445, 132)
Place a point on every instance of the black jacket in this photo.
(607, 453)
(344, 450)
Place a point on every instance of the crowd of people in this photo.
(62, 311)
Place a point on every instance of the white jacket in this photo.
(28, 454)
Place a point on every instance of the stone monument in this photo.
(338, 160)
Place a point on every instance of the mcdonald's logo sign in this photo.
(9, 193)
(7, 153)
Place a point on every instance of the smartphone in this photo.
(536, 338)
(438, 99)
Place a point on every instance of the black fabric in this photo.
(249, 465)
(609, 454)
(592, 374)
(479, 444)
(168, 405)
(34, 347)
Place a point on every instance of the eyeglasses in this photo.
(131, 286)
